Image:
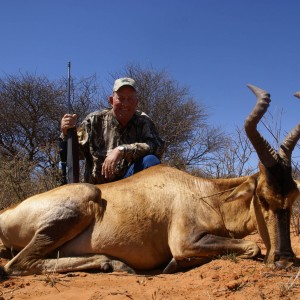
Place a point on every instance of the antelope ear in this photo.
(243, 191)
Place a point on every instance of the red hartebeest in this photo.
(160, 217)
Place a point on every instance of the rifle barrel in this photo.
(69, 87)
(72, 142)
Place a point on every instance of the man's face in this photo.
(124, 103)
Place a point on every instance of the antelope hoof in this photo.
(284, 263)
(118, 266)
(3, 274)
(172, 267)
(107, 268)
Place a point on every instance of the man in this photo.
(119, 141)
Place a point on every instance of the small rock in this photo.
(233, 284)
(216, 277)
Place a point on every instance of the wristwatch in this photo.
(121, 149)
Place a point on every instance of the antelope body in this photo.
(158, 218)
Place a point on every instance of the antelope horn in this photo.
(265, 152)
(297, 94)
(289, 143)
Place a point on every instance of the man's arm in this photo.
(149, 141)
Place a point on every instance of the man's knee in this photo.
(150, 161)
(144, 163)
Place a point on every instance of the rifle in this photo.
(72, 142)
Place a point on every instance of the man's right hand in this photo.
(68, 121)
(110, 163)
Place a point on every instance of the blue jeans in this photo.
(142, 164)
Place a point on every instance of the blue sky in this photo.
(215, 47)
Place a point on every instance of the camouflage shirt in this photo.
(100, 133)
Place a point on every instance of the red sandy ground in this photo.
(224, 278)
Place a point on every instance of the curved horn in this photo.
(265, 152)
(297, 94)
(289, 143)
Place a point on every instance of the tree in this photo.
(31, 108)
(238, 157)
(85, 96)
(233, 158)
(272, 124)
(28, 115)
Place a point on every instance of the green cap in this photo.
(123, 81)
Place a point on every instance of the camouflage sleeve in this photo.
(89, 136)
(83, 132)
(149, 141)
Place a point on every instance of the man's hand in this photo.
(68, 121)
(110, 163)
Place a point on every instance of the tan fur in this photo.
(143, 221)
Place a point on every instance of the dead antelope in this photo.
(158, 218)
